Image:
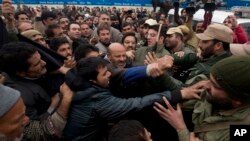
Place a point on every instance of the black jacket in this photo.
(93, 107)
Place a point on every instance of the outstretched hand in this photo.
(174, 117)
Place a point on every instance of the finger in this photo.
(160, 107)
(178, 107)
(150, 56)
(147, 58)
(168, 104)
(154, 55)
(161, 113)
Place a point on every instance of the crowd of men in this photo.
(111, 74)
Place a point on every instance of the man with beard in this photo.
(175, 45)
(214, 46)
(104, 37)
(226, 102)
(115, 34)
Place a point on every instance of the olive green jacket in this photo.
(201, 70)
(141, 53)
(214, 126)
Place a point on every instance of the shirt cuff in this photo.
(183, 135)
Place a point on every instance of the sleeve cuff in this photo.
(176, 97)
(183, 135)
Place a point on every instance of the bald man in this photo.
(24, 26)
(117, 55)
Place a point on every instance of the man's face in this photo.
(171, 41)
(80, 19)
(127, 29)
(13, 122)
(228, 22)
(95, 21)
(129, 43)
(85, 30)
(49, 21)
(117, 56)
(65, 50)
(58, 32)
(74, 31)
(129, 20)
(104, 19)
(104, 36)
(64, 22)
(23, 18)
(199, 28)
(103, 77)
(133, 15)
(217, 96)
(89, 22)
(36, 66)
(25, 26)
(39, 39)
(152, 37)
(145, 30)
(207, 48)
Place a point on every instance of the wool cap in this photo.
(233, 75)
(217, 31)
(173, 30)
(31, 33)
(184, 29)
(8, 98)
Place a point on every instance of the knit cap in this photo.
(31, 33)
(233, 75)
(8, 98)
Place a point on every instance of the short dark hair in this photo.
(102, 27)
(71, 24)
(47, 14)
(14, 57)
(56, 42)
(127, 24)
(61, 18)
(49, 31)
(127, 130)
(87, 68)
(162, 32)
(19, 13)
(128, 34)
(82, 51)
(104, 13)
(225, 45)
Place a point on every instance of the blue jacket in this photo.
(94, 107)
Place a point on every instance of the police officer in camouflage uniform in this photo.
(184, 57)
(214, 45)
(226, 102)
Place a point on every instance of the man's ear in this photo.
(218, 46)
(161, 38)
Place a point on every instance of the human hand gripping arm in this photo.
(175, 119)
(157, 66)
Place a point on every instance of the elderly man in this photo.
(35, 36)
(15, 125)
